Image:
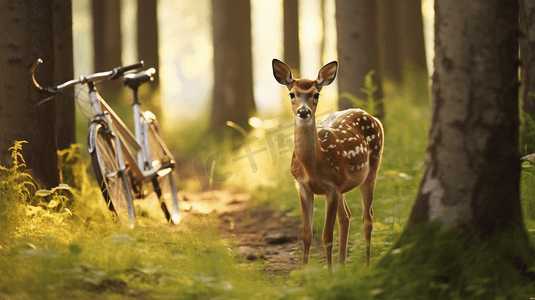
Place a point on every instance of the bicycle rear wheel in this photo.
(113, 182)
(164, 184)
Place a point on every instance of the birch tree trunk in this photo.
(465, 236)
(472, 171)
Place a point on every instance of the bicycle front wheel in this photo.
(164, 185)
(112, 180)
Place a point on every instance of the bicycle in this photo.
(119, 173)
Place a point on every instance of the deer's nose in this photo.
(303, 113)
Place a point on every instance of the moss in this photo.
(428, 262)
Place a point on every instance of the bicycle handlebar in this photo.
(109, 75)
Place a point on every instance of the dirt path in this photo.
(260, 233)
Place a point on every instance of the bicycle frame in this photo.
(142, 168)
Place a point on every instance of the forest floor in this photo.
(259, 232)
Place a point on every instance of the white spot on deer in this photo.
(364, 118)
(344, 154)
(344, 132)
(362, 127)
(368, 127)
(373, 125)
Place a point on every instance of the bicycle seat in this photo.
(136, 79)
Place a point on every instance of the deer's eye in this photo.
(316, 96)
(292, 95)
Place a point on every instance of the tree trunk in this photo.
(527, 55)
(63, 71)
(107, 48)
(233, 81)
(27, 34)
(389, 50)
(472, 165)
(147, 50)
(412, 50)
(358, 50)
(291, 36)
(466, 228)
(411, 35)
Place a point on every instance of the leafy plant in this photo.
(16, 188)
(369, 90)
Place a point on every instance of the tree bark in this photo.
(27, 34)
(233, 81)
(472, 171)
(107, 47)
(358, 49)
(527, 55)
(63, 71)
(466, 227)
(411, 35)
(389, 50)
(291, 36)
(147, 50)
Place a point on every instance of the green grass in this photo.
(48, 252)
(78, 251)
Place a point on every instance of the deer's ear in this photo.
(327, 74)
(282, 73)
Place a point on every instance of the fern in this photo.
(369, 90)
(16, 188)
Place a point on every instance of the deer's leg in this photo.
(367, 189)
(307, 212)
(331, 209)
(344, 217)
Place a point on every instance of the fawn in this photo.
(342, 152)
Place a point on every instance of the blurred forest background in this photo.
(186, 51)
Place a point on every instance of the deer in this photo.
(341, 152)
